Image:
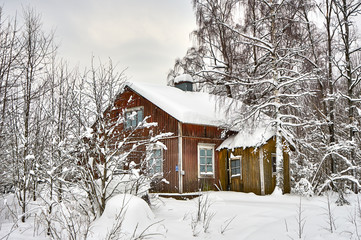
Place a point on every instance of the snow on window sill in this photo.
(206, 175)
(236, 175)
(157, 175)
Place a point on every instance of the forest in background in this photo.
(299, 62)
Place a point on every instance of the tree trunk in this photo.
(277, 103)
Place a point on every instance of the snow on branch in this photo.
(339, 178)
(296, 95)
(350, 99)
(265, 45)
(294, 80)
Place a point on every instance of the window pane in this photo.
(133, 118)
(131, 115)
(274, 168)
(202, 152)
(235, 163)
(134, 122)
(140, 115)
(205, 159)
(235, 167)
(209, 152)
(156, 161)
(157, 153)
(128, 123)
(159, 162)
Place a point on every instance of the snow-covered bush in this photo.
(125, 217)
(303, 187)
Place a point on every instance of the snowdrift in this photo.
(125, 215)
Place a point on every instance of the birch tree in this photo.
(215, 58)
(345, 11)
(35, 56)
(10, 49)
(319, 135)
(277, 70)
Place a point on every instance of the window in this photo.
(119, 168)
(274, 168)
(236, 168)
(156, 162)
(206, 159)
(119, 163)
(133, 117)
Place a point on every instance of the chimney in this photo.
(184, 82)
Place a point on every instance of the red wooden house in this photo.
(199, 125)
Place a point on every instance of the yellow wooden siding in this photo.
(251, 180)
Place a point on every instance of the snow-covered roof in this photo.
(206, 109)
(183, 78)
(254, 133)
(190, 107)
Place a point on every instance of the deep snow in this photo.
(248, 217)
(259, 217)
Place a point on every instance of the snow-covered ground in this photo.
(260, 217)
(222, 215)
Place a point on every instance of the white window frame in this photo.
(155, 173)
(205, 146)
(235, 158)
(127, 110)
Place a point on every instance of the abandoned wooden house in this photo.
(199, 154)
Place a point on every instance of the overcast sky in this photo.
(145, 36)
